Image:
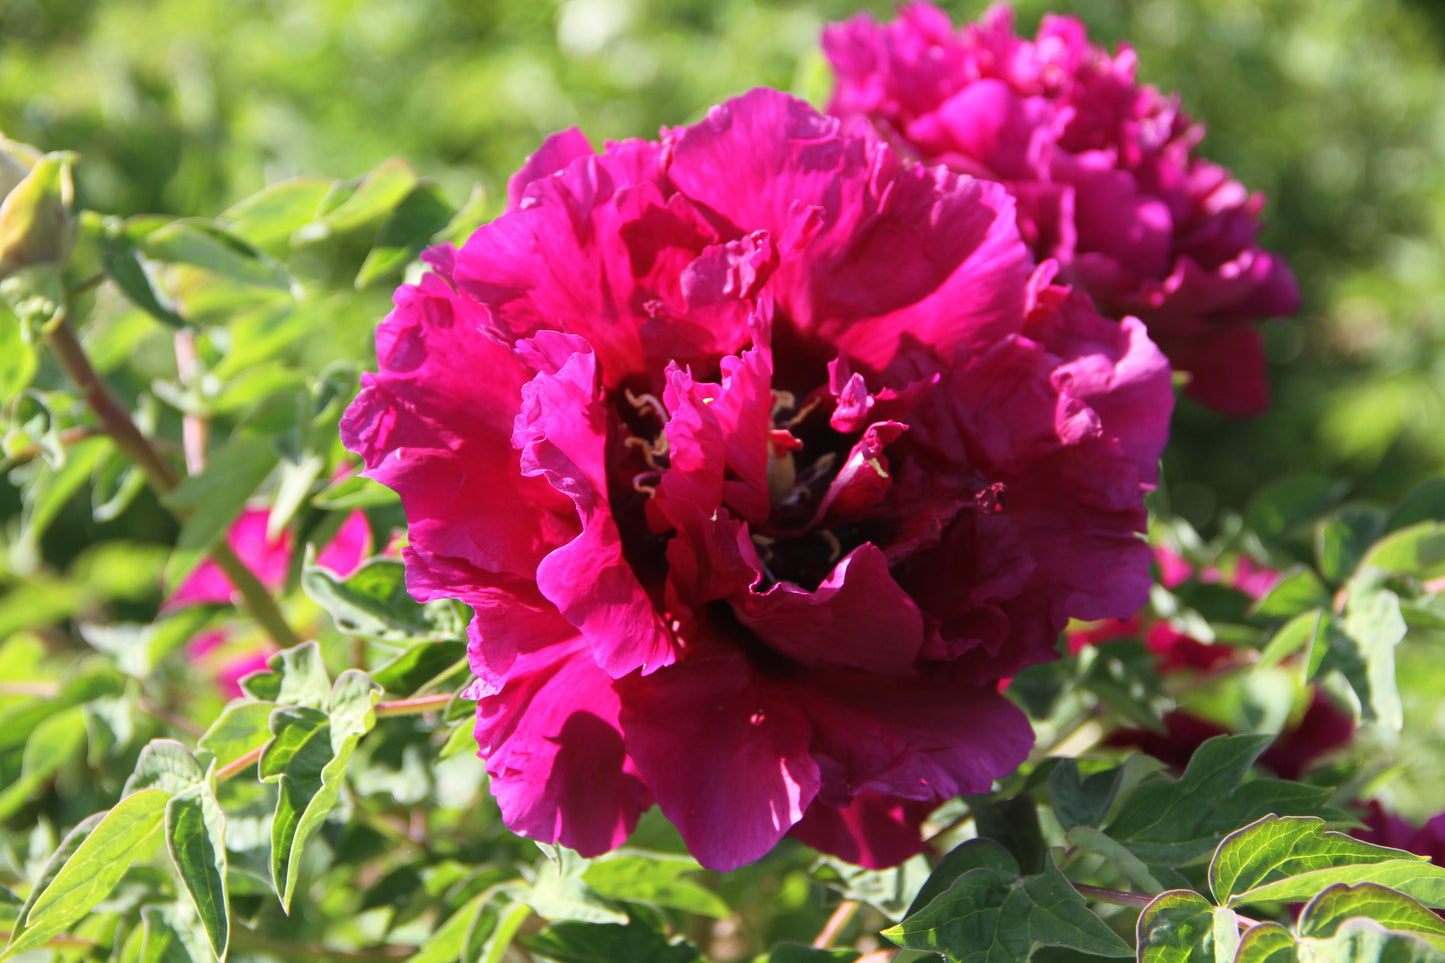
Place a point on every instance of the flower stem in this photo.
(117, 423)
(841, 917)
(240, 765)
(414, 707)
(1117, 897)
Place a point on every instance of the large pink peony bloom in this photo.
(1103, 171)
(760, 455)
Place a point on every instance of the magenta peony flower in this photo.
(1103, 171)
(760, 455)
(1387, 829)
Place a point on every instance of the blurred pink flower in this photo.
(270, 559)
(1386, 829)
(1103, 170)
(760, 456)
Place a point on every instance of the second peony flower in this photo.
(761, 456)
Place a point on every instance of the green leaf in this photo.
(214, 499)
(1417, 551)
(373, 603)
(1366, 941)
(1181, 926)
(1080, 800)
(155, 941)
(1298, 633)
(491, 931)
(97, 864)
(657, 879)
(378, 194)
(445, 945)
(560, 894)
(1297, 590)
(295, 677)
(240, 728)
(1012, 822)
(1323, 915)
(204, 245)
(890, 891)
(1424, 504)
(18, 361)
(56, 739)
(1090, 840)
(1266, 943)
(576, 942)
(423, 663)
(992, 914)
(135, 277)
(164, 764)
(1294, 857)
(1342, 539)
(1171, 823)
(196, 838)
(964, 858)
(1283, 505)
(460, 739)
(354, 492)
(1364, 652)
(409, 229)
(307, 759)
(268, 218)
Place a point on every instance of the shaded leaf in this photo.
(205, 245)
(1290, 502)
(576, 942)
(294, 677)
(1266, 943)
(1342, 539)
(657, 879)
(1181, 926)
(1417, 551)
(992, 914)
(373, 603)
(1364, 652)
(1172, 822)
(410, 228)
(1297, 590)
(240, 728)
(802, 953)
(196, 839)
(164, 764)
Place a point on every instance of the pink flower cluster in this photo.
(760, 455)
(1103, 170)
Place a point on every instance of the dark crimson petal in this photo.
(858, 617)
(553, 748)
(726, 756)
(561, 433)
(873, 831)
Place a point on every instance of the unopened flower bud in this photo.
(36, 226)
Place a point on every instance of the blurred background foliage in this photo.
(1334, 109)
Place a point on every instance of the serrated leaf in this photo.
(1181, 926)
(307, 759)
(1266, 943)
(164, 764)
(196, 839)
(1275, 850)
(1366, 941)
(214, 499)
(576, 942)
(295, 677)
(1323, 915)
(1342, 539)
(409, 228)
(373, 603)
(1297, 590)
(92, 870)
(657, 879)
(1171, 823)
(992, 914)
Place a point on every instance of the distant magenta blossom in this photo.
(760, 455)
(1103, 171)
(270, 559)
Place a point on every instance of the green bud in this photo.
(36, 226)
